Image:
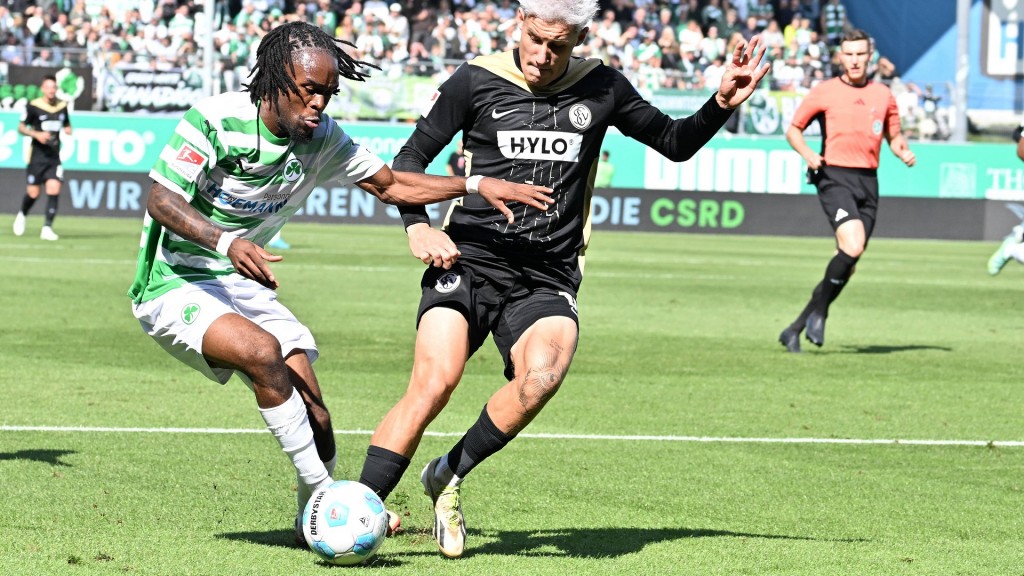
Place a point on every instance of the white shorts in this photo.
(178, 320)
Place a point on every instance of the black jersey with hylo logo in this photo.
(550, 137)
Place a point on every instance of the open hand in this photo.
(742, 74)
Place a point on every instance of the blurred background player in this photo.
(43, 121)
(855, 115)
(1013, 245)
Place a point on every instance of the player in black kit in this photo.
(43, 121)
(534, 114)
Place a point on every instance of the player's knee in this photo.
(429, 394)
(261, 359)
(854, 250)
(537, 385)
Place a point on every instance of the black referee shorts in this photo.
(849, 194)
(497, 298)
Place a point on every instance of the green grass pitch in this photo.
(663, 453)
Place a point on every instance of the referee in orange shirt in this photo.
(855, 114)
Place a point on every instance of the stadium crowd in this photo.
(675, 44)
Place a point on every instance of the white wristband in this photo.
(226, 238)
(473, 184)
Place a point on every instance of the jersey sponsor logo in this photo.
(189, 313)
(448, 282)
(188, 162)
(498, 115)
(540, 145)
(840, 214)
(580, 116)
(51, 125)
(292, 170)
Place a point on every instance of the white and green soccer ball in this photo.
(344, 523)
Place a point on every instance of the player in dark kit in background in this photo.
(855, 115)
(43, 121)
(533, 114)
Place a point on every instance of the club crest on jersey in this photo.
(292, 170)
(189, 313)
(448, 282)
(540, 145)
(876, 127)
(580, 116)
(188, 162)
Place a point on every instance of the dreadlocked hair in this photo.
(274, 60)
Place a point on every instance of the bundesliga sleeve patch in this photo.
(429, 105)
(188, 162)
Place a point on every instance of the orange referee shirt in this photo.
(854, 119)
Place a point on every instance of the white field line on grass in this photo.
(541, 436)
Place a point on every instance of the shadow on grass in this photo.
(604, 542)
(51, 457)
(568, 542)
(891, 349)
(286, 539)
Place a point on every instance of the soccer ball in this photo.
(344, 523)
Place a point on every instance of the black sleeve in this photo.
(433, 132)
(676, 139)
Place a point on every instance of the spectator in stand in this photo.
(714, 71)
(669, 51)
(810, 9)
(750, 28)
(607, 28)
(666, 21)
(690, 37)
(789, 75)
(12, 52)
(397, 30)
(833, 21)
(711, 46)
(730, 25)
(785, 10)
(772, 36)
(712, 14)
(327, 19)
(764, 12)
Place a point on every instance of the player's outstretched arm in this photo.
(742, 74)
(174, 213)
(393, 187)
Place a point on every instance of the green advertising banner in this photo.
(729, 163)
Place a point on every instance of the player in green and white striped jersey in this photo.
(237, 167)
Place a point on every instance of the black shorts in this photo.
(849, 194)
(497, 297)
(41, 168)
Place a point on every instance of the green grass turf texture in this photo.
(678, 339)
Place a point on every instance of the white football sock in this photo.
(289, 423)
(304, 493)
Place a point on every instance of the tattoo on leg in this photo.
(540, 382)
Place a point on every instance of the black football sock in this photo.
(837, 273)
(26, 204)
(382, 470)
(801, 320)
(481, 440)
(51, 210)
